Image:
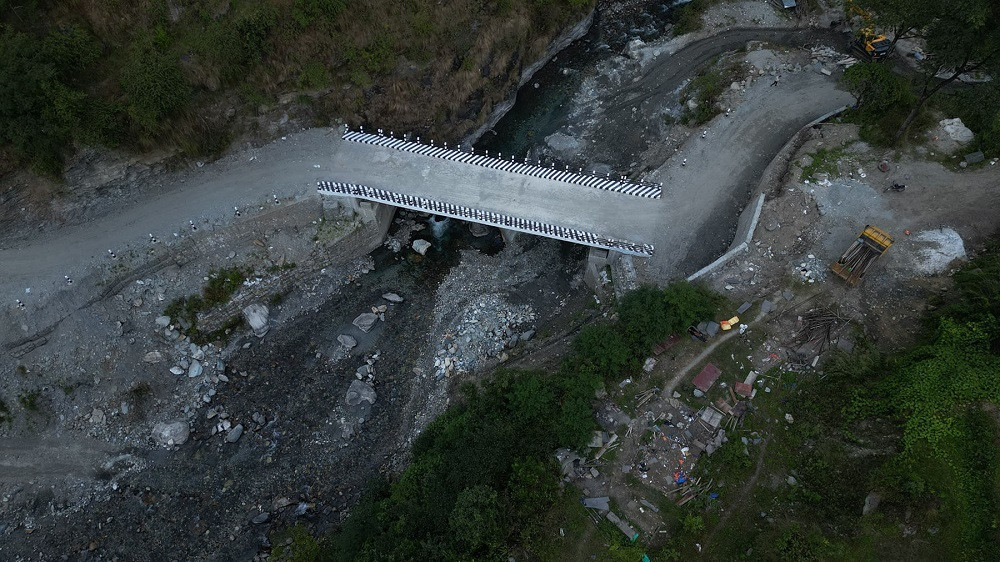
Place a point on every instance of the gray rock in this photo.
(153, 357)
(163, 321)
(392, 297)
(421, 246)
(171, 433)
(871, 503)
(256, 315)
(359, 392)
(347, 341)
(365, 321)
(97, 416)
(195, 369)
(845, 344)
(525, 336)
(975, 157)
(177, 370)
(261, 518)
(234, 434)
(478, 230)
(791, 480)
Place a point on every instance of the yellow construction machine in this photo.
(871, 243)
(868, 44)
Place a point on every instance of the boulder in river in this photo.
(365, 321)
(171, 433)
(256, 315)
(421, 246)
(359, 392)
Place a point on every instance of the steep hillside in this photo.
(193, 75)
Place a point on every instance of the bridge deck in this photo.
(560, 205)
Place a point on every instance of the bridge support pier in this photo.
(509, 236)
(597, 260)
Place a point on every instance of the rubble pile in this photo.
(811, 269)
(407, 222)
(484, 329)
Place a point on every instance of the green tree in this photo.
(476, 523)
(875, 87)
(962, 38)
(602, 349)
(901, 18)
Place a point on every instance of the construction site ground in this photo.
(799, 314)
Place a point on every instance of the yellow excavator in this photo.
(868, 44)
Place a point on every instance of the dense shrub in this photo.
(154, 87)
(41, 109)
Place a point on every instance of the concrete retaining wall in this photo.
(772, 175)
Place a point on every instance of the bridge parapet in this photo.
(607, 183)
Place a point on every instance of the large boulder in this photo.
(256, 315)
(956, 130)
(358, 392)
(347, 341)
(478, 230)
(421, 246)
(171, 433)
(392, 297)
(366, 321)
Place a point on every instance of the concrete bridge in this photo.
(376, 173)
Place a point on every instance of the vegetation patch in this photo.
(221, 286)
(824, 161)
(705, 90)
(142, 75)
(30, 400)
(687, 18)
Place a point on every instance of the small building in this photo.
(707, 377)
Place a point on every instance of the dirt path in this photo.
(743, 495)
(679, 375)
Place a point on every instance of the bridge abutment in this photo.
(381, 214)
(597, 260)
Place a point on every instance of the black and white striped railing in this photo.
(485, 217)
(639, 189)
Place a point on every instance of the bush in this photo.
(309, 12)
(883, 101)
(648, 315)
(314, 76)
(154, 86)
